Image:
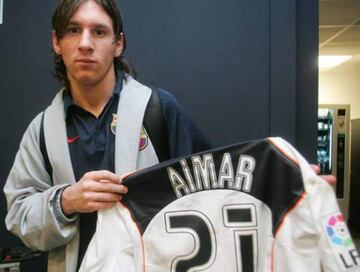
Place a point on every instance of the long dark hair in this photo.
(64, 10)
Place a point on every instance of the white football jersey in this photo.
(250, 207)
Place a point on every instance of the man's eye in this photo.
(73, 30)
(99, 32)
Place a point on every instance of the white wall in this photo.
(341, 85)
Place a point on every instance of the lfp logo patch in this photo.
(340, 242)
(337, 231)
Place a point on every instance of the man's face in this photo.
(88, 47)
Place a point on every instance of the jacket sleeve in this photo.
(31, 197)
(185, 137)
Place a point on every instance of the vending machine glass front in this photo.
(325, 140)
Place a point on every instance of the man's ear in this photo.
(55, 43)
(119, 45)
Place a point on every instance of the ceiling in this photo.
(339, 28)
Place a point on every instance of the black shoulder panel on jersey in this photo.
(275, 180)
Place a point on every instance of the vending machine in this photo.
(354, 218)
(333, 151)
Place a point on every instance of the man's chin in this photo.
(86, 80)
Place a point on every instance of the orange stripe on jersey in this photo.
(272, 256)
(290, 157)
(297, 203)
(140, 234)
(282, 151)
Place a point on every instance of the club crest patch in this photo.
(341, 242)
(113, 123)
(144, 139)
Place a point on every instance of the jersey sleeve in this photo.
(337, 249)
(319, 217)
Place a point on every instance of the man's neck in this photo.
(93, 98)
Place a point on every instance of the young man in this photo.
(93, 133)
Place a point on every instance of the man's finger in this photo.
(103, 176)
(109, 187)
(102, 197)
(316, 168)
(331, 179)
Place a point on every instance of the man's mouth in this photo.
(85, 60)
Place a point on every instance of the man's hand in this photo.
(331, 179)
(95, 191)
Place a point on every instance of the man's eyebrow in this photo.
(102, 26)
(96, 25)
(73, 23)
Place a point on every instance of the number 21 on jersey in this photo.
(240, 219)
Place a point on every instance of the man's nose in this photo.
(85, 42)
